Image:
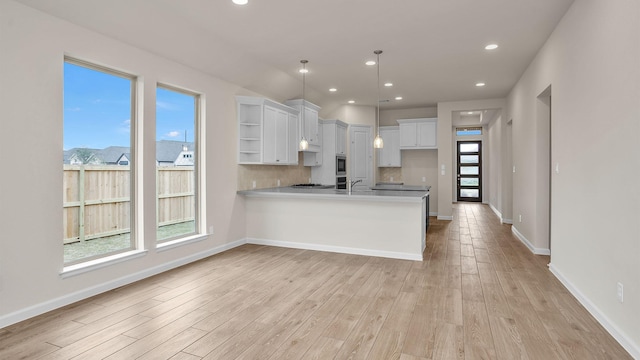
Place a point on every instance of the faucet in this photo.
(352, 183)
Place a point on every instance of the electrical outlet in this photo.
(520, 218)
(391, 178)
(278, 182)
(210, 229)
(424, 179)
(254, 184)
(620, 292)
(514, 168)
(557, 168)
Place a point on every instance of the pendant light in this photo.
(377, 142)
(304, 144)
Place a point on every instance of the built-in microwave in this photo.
(341, 165)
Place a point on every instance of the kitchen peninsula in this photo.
(385, 223)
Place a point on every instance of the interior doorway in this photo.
(469, 171)
(543, 171)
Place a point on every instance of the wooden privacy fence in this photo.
(96, 199)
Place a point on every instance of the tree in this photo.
(86, 156)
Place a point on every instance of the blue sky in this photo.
(97, 110)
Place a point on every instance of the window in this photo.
(469, 131)
(97, 184)
(177, 121)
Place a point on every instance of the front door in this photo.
(469, 171)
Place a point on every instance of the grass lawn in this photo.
(108, 244)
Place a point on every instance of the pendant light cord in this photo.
(304, 76)
(378, 52)
(304, 144)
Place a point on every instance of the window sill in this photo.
(179, 242)
(77, 269)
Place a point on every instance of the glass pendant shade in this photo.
(378, 143)
(304, 144)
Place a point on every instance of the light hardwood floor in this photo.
(480, 294)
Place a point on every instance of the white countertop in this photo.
(334, 194)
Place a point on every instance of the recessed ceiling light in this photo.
(351, 101)
(370, 63)
(333, 89)
(388, 84)
(491, 47)
(240, 2)
(480, 84)
(398, 97)
(303, 71)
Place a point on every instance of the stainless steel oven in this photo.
(341, 165)
(341, 182)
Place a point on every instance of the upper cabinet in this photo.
(389, 155)
(267, 132)
(334, 140)
(314, 158)
(308, 123)
(418, 133)
(341, 138)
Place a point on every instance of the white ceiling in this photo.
(433, 49)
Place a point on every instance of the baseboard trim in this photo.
(495, 211)
(621, 337)
(507, 221)
(433, 214)
(528, 244)
(59, 302)
(442, 217)
(335, 249)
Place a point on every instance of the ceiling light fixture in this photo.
(491, 47)
(333, 89)
(388, 84)
(351, 101)
(398, 97)
(370, 63)
(240, 2)
(304, 144)
(377, 142)
(480, 84)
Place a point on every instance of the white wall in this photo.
(499, 189)
(33, 46)
(352, 114)
(592, 62)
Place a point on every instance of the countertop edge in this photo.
(265, 193)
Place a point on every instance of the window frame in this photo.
(199, 231)
(135, 239)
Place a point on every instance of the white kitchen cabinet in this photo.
(418, 133)
(341, 138)
(389, 155)
(334, 142)
(314, 158)
(309, 127)
(267, 132)
(294, 141)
